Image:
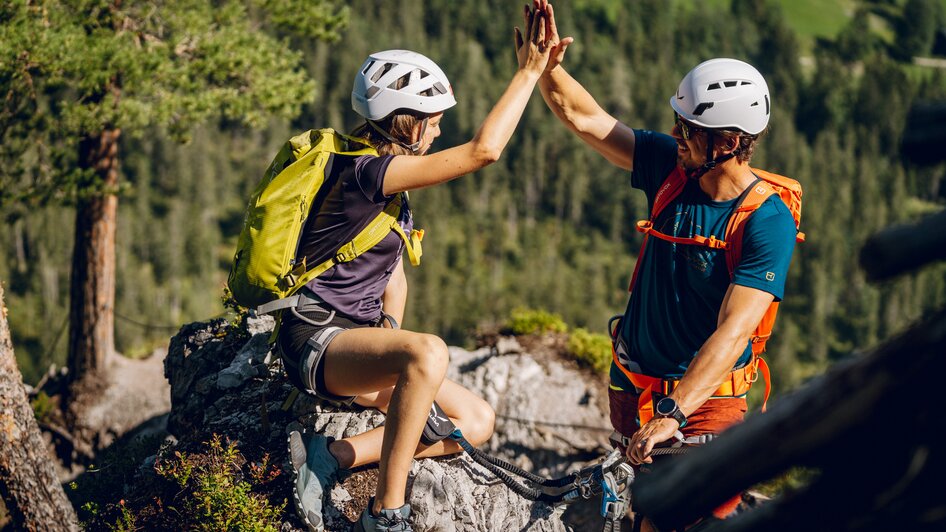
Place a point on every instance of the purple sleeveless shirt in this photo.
(350, 198)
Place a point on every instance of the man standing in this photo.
(684, 348)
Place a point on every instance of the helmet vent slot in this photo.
(700, 109)
(371, 92)
(401, 82)
(713, 87)
(368, 67)
(381, 71)
(746, 83)
(439, 88)
(731, 83)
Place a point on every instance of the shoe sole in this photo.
(297, 456)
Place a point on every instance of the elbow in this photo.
(581, 124)
(486, 153)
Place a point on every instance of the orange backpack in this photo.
(768, 184)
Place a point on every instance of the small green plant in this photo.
(43, 407)
(590, 349)
(214, 494)
(236, 323)
(531, 321)
(790, 480)
(229, 302)
(125, 521)
(93, 492)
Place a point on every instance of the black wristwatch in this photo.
(667, 407)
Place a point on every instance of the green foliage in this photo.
(125, 522)
(313, 19)
(94, 492)
(214, 494)
(855, 41)
(551, 225)
(530, 321)
(72, 69)
(817, 18)
(212, 489)
(43, 406)
(590, 349)
(916, 28)
(791, 480)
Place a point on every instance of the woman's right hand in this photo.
(533, 51)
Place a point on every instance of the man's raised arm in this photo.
(577, 109)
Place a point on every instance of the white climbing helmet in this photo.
(425, 89)
(724, 93)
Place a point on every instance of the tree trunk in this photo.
(92, 291)
(28, 484)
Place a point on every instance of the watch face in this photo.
(666, 406)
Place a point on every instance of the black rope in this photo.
(553, 424)
(162, 326)
(499, 467)
(666, 451)
(147, 325)
(480, 457)
(52, 346)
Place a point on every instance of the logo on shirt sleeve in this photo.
(769, 276)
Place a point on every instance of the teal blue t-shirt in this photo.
(680, 288)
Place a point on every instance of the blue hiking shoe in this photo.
(315, 470)
(396, 520)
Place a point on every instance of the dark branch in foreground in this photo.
(903, 248)
(866, 424)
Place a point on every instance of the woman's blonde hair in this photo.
(399, 126)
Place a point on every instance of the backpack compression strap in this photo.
(668, 191)
(369, 237)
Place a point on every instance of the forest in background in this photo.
(551, 225)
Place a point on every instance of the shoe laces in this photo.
(394, 520)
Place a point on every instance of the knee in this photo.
(479, 422)
(427, 358)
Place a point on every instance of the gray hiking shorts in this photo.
(304, 335)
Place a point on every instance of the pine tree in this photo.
(80, 74)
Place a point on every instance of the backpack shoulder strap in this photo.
(668, 191)
(752, 199)
(385, 222)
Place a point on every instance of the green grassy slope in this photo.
(817, 18)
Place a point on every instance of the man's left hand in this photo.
(655, 431)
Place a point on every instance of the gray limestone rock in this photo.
(551, 419)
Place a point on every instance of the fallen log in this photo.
(904, 247)
(861, 418)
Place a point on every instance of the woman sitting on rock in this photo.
(344, 345)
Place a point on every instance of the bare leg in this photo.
(363, 361)
(470, 413)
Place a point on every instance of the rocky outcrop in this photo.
(550, 420)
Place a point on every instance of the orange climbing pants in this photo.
(713, 417)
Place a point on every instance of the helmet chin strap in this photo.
(710, 163)
(414, 148)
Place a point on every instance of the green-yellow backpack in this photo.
(265, 270)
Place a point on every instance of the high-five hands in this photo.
(559, 45)
(533, 52)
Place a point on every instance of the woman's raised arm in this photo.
(407, 172)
